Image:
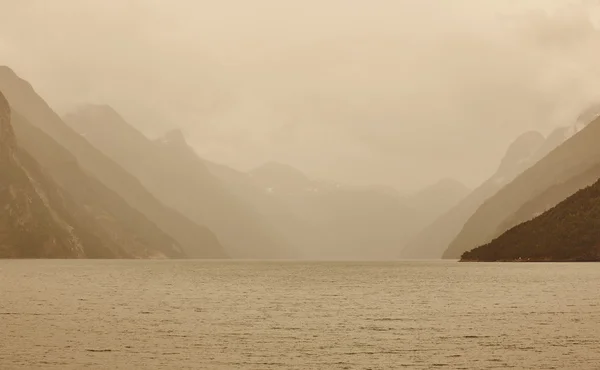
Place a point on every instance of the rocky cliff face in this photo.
(103, 211)
(35, 221)
(131, 196)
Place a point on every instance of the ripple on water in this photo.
(284, 315)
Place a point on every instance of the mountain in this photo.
(195, 240)
(34, 221)
(571, 160)
(281, 178)
(40, 220)
(551, 197)
(125, 226)
(433, 240)
(170, 169)
(321, 219)
(578, 178)
(568, 232)
(435, 200)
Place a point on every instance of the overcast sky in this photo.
(400, 92)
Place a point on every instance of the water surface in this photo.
(289, 315)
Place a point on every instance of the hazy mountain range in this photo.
(41, 219)
(176, 176)
(90, 185)
(160, 194)
(273, 211)
(524, 151)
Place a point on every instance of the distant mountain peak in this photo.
(450, 183)
(281, 177)
(174, 137)
(588, 115)
(443, 188)
(520, 152)
(10, 75)
(279, 169)
(5, 70)
(98, 112)
(103, 109)
(525, 142)
(276, 166)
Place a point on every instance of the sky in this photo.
(396, 92)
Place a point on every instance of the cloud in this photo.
(397, 92)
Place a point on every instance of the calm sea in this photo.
(290, 315)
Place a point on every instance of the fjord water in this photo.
(75, 314)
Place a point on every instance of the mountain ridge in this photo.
(568, 232)
(434, 239)
(171, 170)
(580, 151)
(36, 221)
(196, 240)
(127, 227)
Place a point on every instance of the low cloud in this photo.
(396, 92)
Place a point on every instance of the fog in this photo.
(390, 92)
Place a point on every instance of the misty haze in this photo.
(269, 184)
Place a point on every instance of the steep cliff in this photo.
(37, 218)
(108, 215)
(196, 240)
(575, 157)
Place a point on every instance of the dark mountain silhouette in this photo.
(570, 160)
(433, 240)
(551, 197)
(568, 232)
(40, 220)
(196, 240)
(172, 171)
